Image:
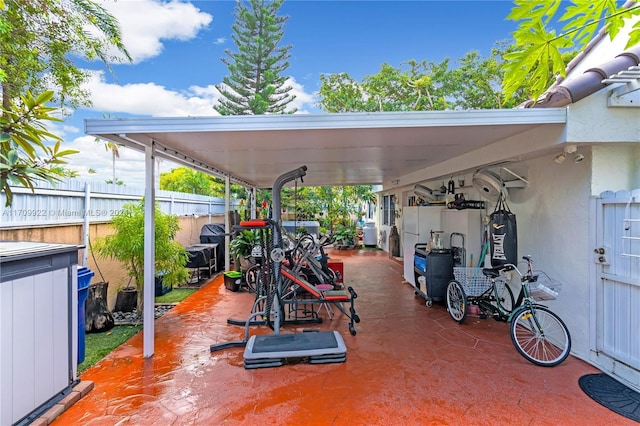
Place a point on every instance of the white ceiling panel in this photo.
(338, 149)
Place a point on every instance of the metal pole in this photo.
(277, 188)
(87, 207)
(227, 225)
(149, 254)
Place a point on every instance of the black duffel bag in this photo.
(503, 231)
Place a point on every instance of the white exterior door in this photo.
(615, 341)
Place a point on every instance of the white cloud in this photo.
(303, 101)
(129, 166)
(142, 99)
(146, 23)
(93, 155)
(150, 99)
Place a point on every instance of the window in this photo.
(388, 210)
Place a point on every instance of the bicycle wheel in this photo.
(251, 278)
(540, 336)
(506, 302)
(456, 301)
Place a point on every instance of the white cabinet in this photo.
(467, 222)
(38, 314)
(417, 223)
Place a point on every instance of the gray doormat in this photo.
(612, 394)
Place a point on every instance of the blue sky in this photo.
(177, 47)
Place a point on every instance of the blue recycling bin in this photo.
(84, 279)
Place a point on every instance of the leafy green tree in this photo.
(114, 148)
(255, 84)
(538, 58)
(422, 86)
(26, 153)
(183, 179)
(331, 205)
(414, 86)
(118, 182)
(126, 244)
(38, 39)
(341, 93)
(477, 81)
(67, 173)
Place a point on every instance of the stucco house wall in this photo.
(556, 223)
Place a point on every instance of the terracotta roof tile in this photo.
(576, 88)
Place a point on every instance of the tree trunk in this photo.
(97, 316)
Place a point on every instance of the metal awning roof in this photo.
(338, 149)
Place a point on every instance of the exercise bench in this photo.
(334, 297)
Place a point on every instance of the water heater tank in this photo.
(369, 233)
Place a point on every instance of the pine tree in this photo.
(255, 84)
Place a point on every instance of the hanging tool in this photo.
(451, 186)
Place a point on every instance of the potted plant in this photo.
(126, 244)
(344, 236)
(240, 248)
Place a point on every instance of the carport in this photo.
(388, 148)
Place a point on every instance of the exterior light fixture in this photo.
(569, 151)
(560, 158)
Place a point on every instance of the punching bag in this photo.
(503, 235)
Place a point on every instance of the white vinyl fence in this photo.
(75, 201)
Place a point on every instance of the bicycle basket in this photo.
(472, 280)
(544, 287)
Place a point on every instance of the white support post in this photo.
(254, 193)
(149, 254)
(227, 225)
(87, 208)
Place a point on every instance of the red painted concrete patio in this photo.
(407, 365)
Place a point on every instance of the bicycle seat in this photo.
(491, 272)
(495, 272)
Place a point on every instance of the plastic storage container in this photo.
(84, 279)
(438, 274)
(435, 267)
(161, 287)
(233, 280)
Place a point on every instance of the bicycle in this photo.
(306, 257)
(538, 333)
